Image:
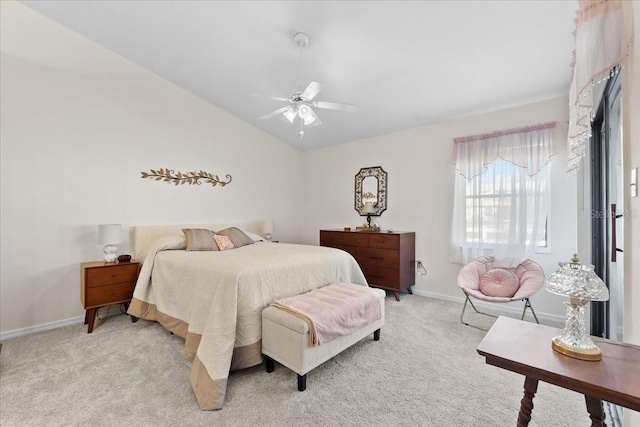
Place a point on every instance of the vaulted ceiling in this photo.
(404, 64)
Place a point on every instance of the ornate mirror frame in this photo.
(381, 198)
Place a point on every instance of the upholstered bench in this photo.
(285, 339)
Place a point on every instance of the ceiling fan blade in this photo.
(290, 114)
(311, 91)
(334, 106)
(312, 120)
(277, 98)
(275, 113)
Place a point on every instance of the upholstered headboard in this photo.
(143, 236)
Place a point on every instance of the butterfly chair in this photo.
(480, 279)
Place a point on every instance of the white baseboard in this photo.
(498, 309)
(39, 328)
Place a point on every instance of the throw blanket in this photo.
(214, 300)
(333, 311)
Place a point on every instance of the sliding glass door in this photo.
(608, 212)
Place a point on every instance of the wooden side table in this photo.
(525, 348)
(103, 284)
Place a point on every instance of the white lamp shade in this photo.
(109, 234)
(267, 227)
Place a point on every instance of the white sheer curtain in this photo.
(603, 37)
(501, 197)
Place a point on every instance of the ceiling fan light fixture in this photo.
(308, 120)
(304, 111)
(290, 114)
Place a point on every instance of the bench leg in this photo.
(269, 363)
(302, 382)
(376, 335)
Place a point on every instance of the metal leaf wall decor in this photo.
(180, 178)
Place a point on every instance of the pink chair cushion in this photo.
(499, 282)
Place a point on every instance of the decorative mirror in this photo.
(371, 191)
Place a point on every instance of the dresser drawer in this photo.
(112, 274)
(351, 249)
(380, 276)
(379, 257)
(331, 238)
(384, 241)
(356, 239)
(107, 295)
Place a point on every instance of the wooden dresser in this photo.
(386, 259)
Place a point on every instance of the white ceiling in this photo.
(404, 64)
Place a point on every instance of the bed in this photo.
(214, 299)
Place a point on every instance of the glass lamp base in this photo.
(574, 340)
(593, 354)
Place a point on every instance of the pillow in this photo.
(499, 283)
(237, 236)
(200, 239)
(176, 241)
(223, 242)
(255, 237)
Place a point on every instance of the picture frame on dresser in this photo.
(387, 259)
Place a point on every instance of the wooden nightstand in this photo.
(103, 284)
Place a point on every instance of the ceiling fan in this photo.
(301, 104)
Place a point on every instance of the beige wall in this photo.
(79, 124)
(420, 192)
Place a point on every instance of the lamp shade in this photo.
(109, 234)
(267, 226)
(578, 281)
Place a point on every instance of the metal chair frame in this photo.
(527, 304)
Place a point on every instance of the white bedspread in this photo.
(219, 296)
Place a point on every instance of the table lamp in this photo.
(581, 284)
(110, 235)
(267, 229)
(368, 209)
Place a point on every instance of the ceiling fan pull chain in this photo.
(301, 133)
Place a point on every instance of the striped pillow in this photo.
(200, 239)
(237, 236)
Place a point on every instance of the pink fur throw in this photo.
(334, 310)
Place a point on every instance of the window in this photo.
(501, 199)
(494, 205)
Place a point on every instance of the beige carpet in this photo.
(424, 371)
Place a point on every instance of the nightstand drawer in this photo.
(379, 257)
(112, 275)
(385, 277)
(107, 295)
(385, 241)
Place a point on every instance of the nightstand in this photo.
(103, 284)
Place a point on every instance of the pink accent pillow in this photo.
(223, 242)
(499, 283)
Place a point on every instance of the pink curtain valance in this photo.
(603, 38)
(529, 147)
